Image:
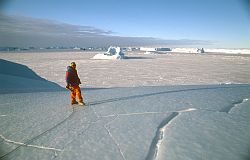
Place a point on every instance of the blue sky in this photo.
(224, 23)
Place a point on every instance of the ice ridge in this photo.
(229, 108)
(155, 145)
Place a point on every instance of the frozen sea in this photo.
(166, 106)
(138, 69)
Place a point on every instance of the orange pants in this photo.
(76, 92)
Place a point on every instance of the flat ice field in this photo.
(138, 69)
(177, 107)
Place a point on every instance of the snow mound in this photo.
(15, 77)
(112, 53)
(19, 70)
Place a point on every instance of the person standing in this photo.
(73, 82)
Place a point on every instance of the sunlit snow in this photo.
(125, 119)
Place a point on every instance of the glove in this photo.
(67, 86)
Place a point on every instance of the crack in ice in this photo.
(132, 114)
(114, 140)
(36, 137)
(97, 116)
(29, 145)
(157, 141)
(155, 145)
(145, 113)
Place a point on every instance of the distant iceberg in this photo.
(200, 50)
(155, 50)
(185, 50)
(229, 51)
(112, 53)
(211, 50)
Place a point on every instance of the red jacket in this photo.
(72, 77)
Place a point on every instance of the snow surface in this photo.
(138, 69)
(144, 122)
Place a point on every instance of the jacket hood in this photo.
(69, 68)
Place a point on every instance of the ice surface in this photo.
(142, 122)
(138, 69)
(124, 126)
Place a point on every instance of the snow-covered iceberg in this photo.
(200, 50)
(112, 53)
(188, 50)
(211, 50)
(16, 77)
(229, 51)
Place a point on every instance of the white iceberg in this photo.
(188, 50)
(228, 51)
(200, 50)
(150, 52)
(112, 53)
